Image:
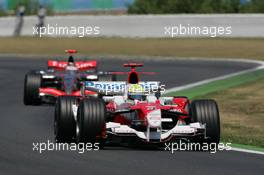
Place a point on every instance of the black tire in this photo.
(91, 120)
(206, 112)
(32, 83)
(106, 77)
(64, 122)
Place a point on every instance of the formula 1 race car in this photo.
(61, 78)
(134, 110)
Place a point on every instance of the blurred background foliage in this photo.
(196, 6)
(8, 7)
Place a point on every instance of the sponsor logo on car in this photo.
(121, 85)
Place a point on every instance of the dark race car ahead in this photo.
(61, 78)
(134, 111)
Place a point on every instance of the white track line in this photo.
(247, 151)
(191, 85)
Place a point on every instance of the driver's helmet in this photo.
(136, 92)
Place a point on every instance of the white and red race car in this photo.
(134, 110)
(61, 78)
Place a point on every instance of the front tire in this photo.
(91, 121)
(206, 112)
(64, 122)
(32, 83)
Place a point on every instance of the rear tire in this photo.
(64, 123)
(91, 121)
(32, 83)
(106, 77)
(206, 112)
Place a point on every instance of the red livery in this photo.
(134, 111)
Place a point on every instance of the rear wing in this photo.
(86, 65)
(133, 74)
(133, 69)
(80, 65)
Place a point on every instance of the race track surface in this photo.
(22, 125)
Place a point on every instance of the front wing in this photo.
(180, 131)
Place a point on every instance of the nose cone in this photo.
(69, 81)
(154, 119)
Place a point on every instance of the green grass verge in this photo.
(240, 100)
(219, 85)
(250, 48)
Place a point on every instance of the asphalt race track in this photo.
(21, 126)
